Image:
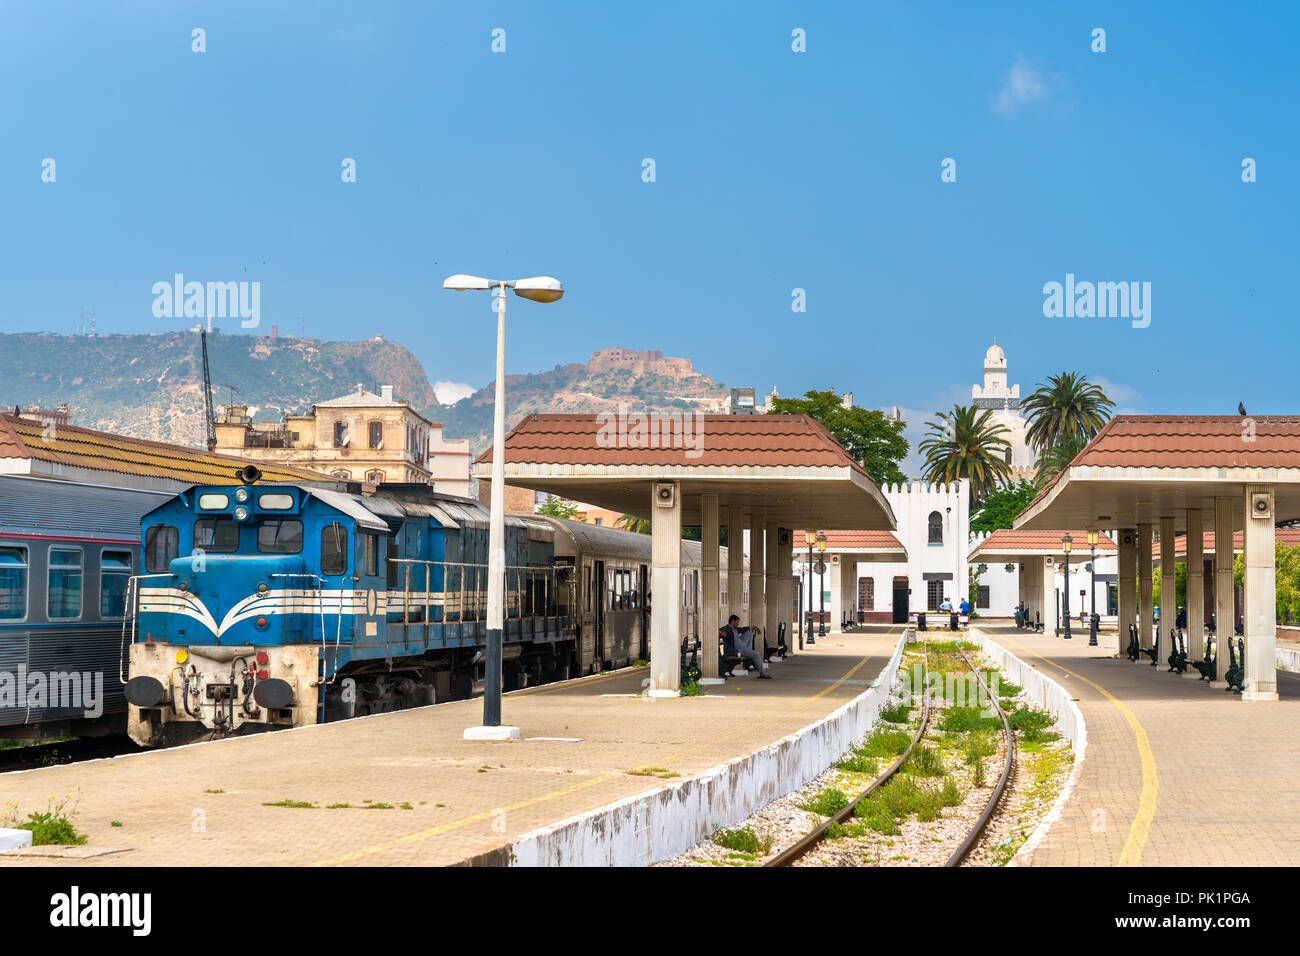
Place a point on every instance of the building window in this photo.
(114, 572)
(64, 591)
(933, 595)
(936, 528)
(333, 549)
(13, 584)
(342, 473)
(1008, 456)
(599, 522)
(375, 477)
(376, 434)
(161, 545)
(342, 434)
(866, 594)
(982, 597)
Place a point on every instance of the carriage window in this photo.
(114, 572)
(333, 549)
(216, 535)
(213, 501)
(64, 590)
(275, 502)
(161, 545)
(279, 536)
(13, 584)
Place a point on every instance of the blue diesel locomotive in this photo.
(269, 605)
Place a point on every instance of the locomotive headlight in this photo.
(241, 494)
(241, 513)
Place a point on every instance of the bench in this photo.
(726, 661)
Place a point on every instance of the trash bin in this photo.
(920, 620)
(952, 622)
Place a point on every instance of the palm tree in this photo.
(1067, 405)
(634, 524)
(1053, 461)
(966, 443)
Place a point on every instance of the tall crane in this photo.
(210, 418)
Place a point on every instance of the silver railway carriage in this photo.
(67, 552)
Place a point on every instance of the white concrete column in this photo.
(785, 579)
(1146, 589)
(771, 587)
(1224, 588)
(1260, 610)
(1168, 584)
(1127, 584)
(1047, 567)
(665, 588)
(709, 609)
(757, 575)
(735, 561)
(1195, 586)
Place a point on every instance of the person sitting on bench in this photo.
(740, 642)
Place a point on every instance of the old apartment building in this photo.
(360, 437)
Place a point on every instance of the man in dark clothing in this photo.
(739, 642)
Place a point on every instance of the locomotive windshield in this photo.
(279, 536)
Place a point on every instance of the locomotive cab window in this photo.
(13, 584)
(279, 536)
(161, 545)
(64, 586)
(333, 549)
(370, 555)
(114, 572)
(216, 535)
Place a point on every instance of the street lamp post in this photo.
(539, 289)
(1066, 543)
(1092, 621)
(821, 584)
(811, 537)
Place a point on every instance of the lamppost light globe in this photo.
(539, 288)
(810, 537)
(1066, 543)
(463, 283)
(1093, 538)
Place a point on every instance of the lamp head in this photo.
(539, 288)
(1093, 538)
(810, 537)
(462, 283)
(1066, 542)
(821, 540)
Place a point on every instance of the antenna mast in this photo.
(209, 418)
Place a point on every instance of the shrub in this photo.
(924, 762)
(743, 840)
(826, 803)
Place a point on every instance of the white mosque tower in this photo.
(1005, 404)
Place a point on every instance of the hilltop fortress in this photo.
(643, 362)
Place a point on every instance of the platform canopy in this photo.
(1006, 545)
(1142, 467)
(788, 467)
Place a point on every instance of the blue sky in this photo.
(775, 170)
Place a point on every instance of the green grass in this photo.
(962, 720)
(923, 762)
(884, 743)
(1030, 718)
(694, 689)
(949, 794)
(825, 803)
(978, 745)
(1007, 689)
(857, 763)
(295, 804)
(115, 823)
(897, 714)
(743, 840)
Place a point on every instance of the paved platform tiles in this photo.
(1176, 773)
(467, 797)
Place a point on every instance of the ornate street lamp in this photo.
(1066, 543)
(821, 558)
(1092, 623)
(811, 538)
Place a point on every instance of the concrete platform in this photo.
(1176, 773)
(581, 743)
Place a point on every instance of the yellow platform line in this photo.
(1140, 829)
(533, 801)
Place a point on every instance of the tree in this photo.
(871, 438)
(966, 443)
(1053, 461)
(999, 508)
(557, 508)
(1068, 404)
(1286, 572)
(634, 524)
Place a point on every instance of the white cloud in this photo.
(1121, 395)
(1022, 85)
(449, 393)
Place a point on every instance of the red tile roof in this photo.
(76, 447)
(790, 440)
(852, 541)
(1290, 537)
(1046, 542)
(1190, 441)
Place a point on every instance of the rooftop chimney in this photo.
(386, 392)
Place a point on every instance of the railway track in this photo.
(790, 855)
